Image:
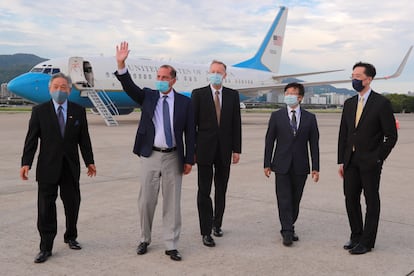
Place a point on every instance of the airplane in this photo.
(95, 86)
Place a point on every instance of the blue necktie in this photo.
(293, 123)
(61, 120)
(167, 123)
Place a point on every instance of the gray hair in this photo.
(61, 75)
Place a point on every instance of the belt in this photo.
(164, 149)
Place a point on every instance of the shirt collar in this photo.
(64, 105)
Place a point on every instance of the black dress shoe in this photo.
(73, 244)
(174, 254)
(42, 256)
(349, 245)
(295, 237)
(208, 241)
(287, 239)
(142, 248)
(359, 249)
(217, 232)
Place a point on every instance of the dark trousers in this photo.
(46, 208)
(289, 190)
(209, 218)
(356, 181)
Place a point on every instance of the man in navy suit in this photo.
(367, 135)
(292, 129)
(61, 127)
(166, 117)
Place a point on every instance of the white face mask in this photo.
(291, 100)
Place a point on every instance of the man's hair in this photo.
(61, 75)
(369, 68)
(173, 72)
(219, 62)
(296, 85)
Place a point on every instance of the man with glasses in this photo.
(290, 131)
(367, 135)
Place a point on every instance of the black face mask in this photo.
(357, 85)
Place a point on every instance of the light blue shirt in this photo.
(158, 120)
(366, 95)
(64, 110)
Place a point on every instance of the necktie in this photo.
(360, 107)
(61, 120)
(217, 105)
(293, 123)
(167, 122)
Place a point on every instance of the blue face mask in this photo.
(291, 100)
(357, 85)
(162, 86)
(59, 96)
(215, 79)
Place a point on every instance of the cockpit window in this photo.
(48, 70)
(37, 70)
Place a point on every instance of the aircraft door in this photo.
(76, 72)
(87, 69)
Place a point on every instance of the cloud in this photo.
(319, 35)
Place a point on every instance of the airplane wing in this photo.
(255, 91)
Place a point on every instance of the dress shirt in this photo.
(64, 108)
(158, 118)
(213, 93)
(297, 111)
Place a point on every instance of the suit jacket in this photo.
(291, 150)
(183, 120)
(209, 135)
(54, 148)
(375, 135)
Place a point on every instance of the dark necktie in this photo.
(167, 123)
(61, 120)
(217, 105)
(293, 123)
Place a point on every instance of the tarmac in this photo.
(108, 223)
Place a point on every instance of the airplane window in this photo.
(36, 70)
(185, 78)
(145, 76)
(47, 70)
(134, 76)
(107, 74)
(190, 79)
(55, 70)
(149, 76)
(139, 76)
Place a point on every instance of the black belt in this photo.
(164, 149)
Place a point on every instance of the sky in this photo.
(320, 35)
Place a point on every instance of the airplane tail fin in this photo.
(269, 54)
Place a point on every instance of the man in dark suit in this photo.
(293, 129)
(166, 117)
(61, 127)
(367, 135)
(218, 141)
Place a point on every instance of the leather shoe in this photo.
(350, 244)
(142, 248)
(73, 244)
(217, 232)
(287, 239)
(174, 254)
(295, 237)
(359, 249)
(208, 241)
(42, 256)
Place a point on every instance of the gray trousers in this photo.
(161, 169)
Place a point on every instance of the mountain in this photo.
(13, 65)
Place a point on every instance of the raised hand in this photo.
(122, 52)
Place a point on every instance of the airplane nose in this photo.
(30, 86)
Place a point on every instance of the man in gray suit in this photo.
(292, 129)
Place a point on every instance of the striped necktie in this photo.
(61, 120)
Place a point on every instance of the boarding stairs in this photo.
(103, 105)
